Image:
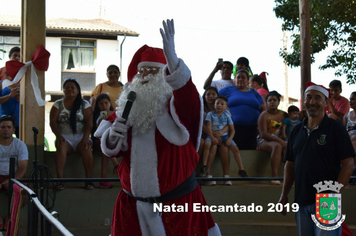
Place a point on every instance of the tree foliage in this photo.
(331, 22)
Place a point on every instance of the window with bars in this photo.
(6, 43)
(78, 55)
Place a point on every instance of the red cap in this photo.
(263, 76)
(145, 56)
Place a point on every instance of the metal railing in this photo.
(35, 207)
(48, 220)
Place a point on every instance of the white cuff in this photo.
(178, 78)
(104, 125)
(105, 149)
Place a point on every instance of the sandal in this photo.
(89, 186)
(59, 186)
(105, 185)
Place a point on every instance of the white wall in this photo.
(53, 74)
(108, 52)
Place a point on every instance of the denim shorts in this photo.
(223, 139)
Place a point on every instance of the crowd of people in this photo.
(166, 130)
(317, 143)
(257, 121)
(240, 113)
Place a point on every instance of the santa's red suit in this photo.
(158, 161)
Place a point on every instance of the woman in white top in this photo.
(71, 121)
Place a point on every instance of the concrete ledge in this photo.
(83, 211)
(256, 163)
(74, 166)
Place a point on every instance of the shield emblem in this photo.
(322, 139)
(328, 208)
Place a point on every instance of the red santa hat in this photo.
(263, 76)
(145, 56)
(319, 88)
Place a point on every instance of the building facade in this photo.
(79, 48)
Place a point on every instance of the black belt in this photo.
(181, 190)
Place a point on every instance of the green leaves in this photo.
(331, 21)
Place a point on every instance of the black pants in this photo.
(17, 131)
(245, 137)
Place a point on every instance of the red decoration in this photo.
(40, 61)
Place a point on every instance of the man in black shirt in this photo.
(316, 149)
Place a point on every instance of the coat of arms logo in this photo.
(322, 139)
(328, 205)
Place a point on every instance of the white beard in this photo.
(151, 101)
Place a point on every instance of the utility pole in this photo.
(305, 50)
(33, 35)
(286, 96)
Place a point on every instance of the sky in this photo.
(205, 31)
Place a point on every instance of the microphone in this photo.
(131, 97)
(35, 130)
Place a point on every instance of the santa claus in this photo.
(158, 144)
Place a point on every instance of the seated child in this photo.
(338, 105)
(208, 97)
(217, 120)
(102, 110)
(289, 122)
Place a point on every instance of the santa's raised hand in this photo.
(168, 45)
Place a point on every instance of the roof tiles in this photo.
(81, 26)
